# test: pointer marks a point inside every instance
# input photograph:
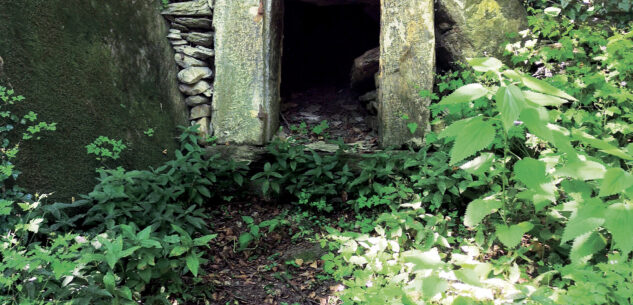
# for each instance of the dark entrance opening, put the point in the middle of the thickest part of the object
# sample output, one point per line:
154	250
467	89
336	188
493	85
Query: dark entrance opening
321	40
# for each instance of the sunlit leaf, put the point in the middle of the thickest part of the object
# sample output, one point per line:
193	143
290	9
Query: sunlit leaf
478	209
485	64
543	87
615	181
588	216
511	236
465	94
540	99
509	101
619	222
585	246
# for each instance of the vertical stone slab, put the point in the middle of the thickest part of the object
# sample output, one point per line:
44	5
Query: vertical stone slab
245	103
407	65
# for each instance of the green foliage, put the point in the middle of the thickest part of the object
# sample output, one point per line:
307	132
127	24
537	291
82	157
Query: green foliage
105	148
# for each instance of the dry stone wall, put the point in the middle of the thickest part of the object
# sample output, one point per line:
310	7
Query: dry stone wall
192	36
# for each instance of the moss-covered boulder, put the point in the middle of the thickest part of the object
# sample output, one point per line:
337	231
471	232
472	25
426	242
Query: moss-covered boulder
96	68
474	28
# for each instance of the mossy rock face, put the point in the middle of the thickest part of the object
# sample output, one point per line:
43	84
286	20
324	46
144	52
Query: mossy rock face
475	28
96	68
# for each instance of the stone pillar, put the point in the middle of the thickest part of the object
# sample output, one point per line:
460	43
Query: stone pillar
246	97
407	65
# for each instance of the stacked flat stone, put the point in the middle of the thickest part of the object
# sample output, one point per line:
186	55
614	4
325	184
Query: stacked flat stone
191	35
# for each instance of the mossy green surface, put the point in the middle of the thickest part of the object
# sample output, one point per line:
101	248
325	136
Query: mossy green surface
96	68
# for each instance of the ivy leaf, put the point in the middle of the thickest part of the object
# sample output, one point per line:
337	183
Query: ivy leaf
615	181
485	64
478	209
543	87
510	101
511	236
585	246
619	222
588	216
473	137
465	94
193	263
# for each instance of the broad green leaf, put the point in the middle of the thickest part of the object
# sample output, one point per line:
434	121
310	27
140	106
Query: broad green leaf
531	172
585	246
536	120
193	263
204	191
433	285
511	236
150	243
475	136
588	216
615	181
455	129
423	260
129	251
465	94
479	164
543	87
583	169
539	99
485	64
604	146
478	209
509	101
619	222
127	293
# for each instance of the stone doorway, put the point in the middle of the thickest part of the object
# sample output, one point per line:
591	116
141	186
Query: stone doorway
321	40
249	77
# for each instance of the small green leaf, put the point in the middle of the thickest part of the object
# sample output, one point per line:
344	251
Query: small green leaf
511	236
432	286
204	240
619	222
412	127
552	11
178	251
531	172
193	263
108	281
485	64
478	209
465	94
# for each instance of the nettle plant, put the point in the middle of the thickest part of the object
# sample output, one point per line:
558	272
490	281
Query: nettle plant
571	187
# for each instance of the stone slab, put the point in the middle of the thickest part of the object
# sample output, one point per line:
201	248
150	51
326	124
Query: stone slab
247	60
407	65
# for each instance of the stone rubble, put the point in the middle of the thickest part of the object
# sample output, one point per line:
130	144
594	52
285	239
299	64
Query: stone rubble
192	36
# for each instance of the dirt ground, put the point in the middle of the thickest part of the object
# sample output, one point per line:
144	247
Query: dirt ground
268	272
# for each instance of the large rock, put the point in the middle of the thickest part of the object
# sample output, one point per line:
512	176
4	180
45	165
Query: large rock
189	8
364	69
197	23
185	61
192	75
201	87
248	46
475	28
407	62
201	39
96	68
